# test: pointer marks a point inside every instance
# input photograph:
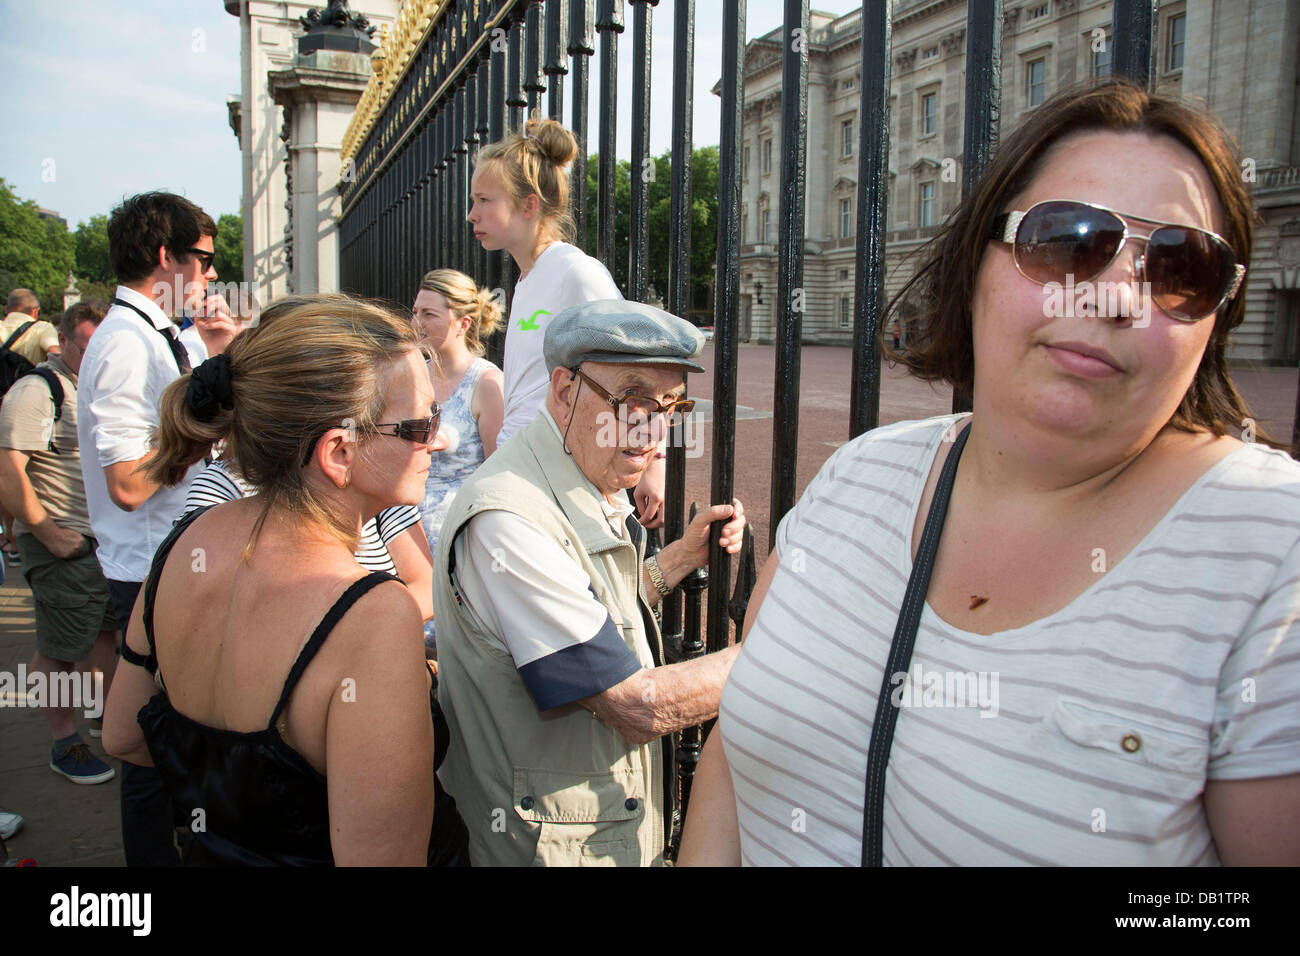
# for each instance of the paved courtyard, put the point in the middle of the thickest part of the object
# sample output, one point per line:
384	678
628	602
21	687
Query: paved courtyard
69	824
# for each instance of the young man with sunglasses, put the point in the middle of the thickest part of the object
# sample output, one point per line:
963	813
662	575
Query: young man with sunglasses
161	248
553	678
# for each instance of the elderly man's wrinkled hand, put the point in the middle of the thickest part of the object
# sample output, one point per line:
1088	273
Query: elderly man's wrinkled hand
696	538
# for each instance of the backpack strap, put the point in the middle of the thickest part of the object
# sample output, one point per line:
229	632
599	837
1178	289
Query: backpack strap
56	393
17	335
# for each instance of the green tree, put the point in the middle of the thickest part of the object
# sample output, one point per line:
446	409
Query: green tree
91	240
90	289
35	253
704	221
229	246
622	208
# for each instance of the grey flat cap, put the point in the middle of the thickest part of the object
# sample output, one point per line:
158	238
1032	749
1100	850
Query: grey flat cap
619	332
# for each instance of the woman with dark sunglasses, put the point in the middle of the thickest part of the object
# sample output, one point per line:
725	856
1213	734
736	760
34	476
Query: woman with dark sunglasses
296	723
391	541
1105	657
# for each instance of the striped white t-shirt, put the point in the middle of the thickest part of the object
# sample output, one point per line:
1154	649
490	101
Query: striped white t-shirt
1085	737
216	484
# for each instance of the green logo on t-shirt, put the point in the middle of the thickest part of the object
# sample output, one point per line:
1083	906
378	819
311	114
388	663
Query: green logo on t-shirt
530	324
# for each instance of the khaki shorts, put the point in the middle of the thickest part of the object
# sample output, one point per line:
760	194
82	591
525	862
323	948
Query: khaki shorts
71	600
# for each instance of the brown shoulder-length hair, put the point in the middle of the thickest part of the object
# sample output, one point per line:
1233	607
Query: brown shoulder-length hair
935	305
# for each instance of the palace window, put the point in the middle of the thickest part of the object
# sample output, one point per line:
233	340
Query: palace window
1035	81
926	210
1177	42
1101	60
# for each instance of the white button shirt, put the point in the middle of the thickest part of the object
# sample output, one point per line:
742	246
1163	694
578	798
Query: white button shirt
126	367
194	346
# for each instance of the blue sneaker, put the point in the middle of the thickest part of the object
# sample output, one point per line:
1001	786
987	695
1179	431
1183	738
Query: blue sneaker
79	765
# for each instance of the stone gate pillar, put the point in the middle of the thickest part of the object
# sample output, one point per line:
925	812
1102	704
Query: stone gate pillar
318	94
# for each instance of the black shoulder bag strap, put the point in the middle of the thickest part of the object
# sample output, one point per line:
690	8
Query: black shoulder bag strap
8	344
177	349
900	657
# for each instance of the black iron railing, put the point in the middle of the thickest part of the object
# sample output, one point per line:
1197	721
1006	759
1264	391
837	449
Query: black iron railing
480	64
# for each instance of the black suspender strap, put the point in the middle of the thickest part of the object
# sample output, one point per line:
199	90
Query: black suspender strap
355	591
900	657
150	662
173	342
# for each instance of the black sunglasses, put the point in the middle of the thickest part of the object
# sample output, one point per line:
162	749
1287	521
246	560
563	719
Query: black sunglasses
418	430
205	258
1192	272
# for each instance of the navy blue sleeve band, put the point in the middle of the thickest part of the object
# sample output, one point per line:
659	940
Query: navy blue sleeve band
580	670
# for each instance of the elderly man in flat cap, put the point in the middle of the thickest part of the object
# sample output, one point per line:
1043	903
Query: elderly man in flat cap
551	664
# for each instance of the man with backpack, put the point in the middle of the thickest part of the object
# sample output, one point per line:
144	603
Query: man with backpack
39	339
25	342
41	485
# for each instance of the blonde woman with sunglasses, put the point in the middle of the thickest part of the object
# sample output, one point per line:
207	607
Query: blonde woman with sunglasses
277	686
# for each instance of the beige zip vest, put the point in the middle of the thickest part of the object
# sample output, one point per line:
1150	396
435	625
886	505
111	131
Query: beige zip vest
560	787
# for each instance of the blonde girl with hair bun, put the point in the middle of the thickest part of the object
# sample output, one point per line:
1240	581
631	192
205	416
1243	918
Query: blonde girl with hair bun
519	202
453	318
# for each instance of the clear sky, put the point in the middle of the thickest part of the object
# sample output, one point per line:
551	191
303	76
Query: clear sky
107	99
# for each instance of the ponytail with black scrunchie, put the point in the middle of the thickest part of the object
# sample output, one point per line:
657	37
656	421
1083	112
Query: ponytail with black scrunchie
210	389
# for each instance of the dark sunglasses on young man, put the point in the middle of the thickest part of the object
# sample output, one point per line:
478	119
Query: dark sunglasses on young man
206	258
1192	272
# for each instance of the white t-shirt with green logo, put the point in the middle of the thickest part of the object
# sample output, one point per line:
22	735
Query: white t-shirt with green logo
562	276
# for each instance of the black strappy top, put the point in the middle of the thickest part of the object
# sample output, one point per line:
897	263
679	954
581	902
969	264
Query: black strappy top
250	798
